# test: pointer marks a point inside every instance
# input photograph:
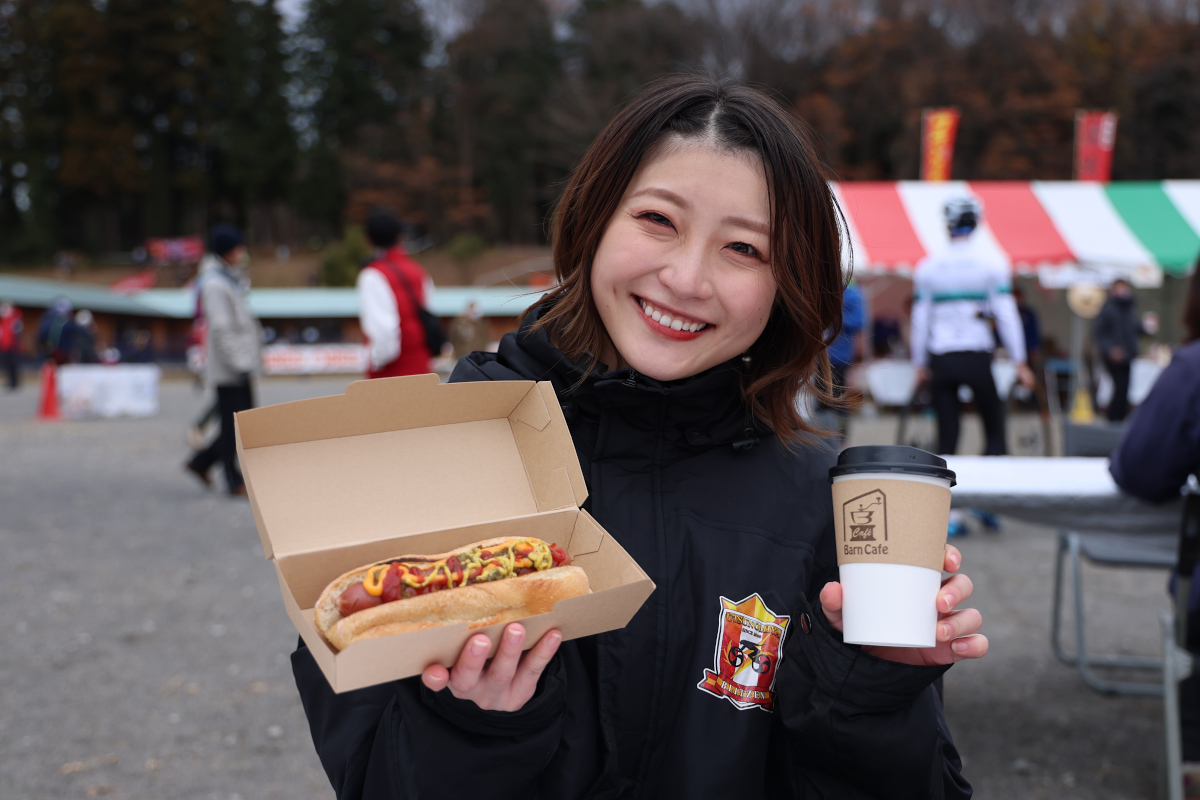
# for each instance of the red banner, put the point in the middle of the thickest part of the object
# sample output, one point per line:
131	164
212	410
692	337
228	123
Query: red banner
1095	134
938	128
183	250
137	282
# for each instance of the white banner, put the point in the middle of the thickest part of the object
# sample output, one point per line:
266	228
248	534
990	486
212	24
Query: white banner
108	390
314	359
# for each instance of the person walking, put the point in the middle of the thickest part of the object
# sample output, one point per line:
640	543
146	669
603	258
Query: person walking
958	293
234	349
392	289
11	326
1115	332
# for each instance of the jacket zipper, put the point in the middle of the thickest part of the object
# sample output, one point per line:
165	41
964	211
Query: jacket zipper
631	381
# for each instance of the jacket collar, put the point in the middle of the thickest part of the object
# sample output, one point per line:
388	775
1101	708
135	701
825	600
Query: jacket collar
685	416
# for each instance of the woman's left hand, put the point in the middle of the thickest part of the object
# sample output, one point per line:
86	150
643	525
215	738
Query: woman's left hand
957	636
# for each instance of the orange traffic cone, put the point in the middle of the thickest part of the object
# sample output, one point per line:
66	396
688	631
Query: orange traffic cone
48	406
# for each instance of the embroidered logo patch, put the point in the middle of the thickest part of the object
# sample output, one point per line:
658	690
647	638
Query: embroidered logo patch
749	647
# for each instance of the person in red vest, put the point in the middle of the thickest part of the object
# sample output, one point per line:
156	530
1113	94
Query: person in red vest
10	342
391	289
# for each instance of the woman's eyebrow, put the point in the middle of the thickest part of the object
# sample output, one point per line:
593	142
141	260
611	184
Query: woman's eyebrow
665	194
684	203
749	224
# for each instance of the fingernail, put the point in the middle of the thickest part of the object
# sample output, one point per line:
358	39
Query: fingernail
943	631
513	634
479	646
959	646
949	602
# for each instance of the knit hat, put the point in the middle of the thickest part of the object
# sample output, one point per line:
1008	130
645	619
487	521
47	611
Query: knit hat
223	238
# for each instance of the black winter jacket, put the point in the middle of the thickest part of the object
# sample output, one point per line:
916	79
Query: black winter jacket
1117	325
1161	446
719	514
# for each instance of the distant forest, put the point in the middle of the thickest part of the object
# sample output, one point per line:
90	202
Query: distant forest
127	119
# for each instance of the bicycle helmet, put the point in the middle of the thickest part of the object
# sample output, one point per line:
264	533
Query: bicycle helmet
962	214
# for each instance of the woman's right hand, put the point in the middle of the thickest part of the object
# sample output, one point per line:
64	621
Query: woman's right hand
504	685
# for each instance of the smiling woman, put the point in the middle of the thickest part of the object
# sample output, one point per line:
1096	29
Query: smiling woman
708	208
680	263
698	250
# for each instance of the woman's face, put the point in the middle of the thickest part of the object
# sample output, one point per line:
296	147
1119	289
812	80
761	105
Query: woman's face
682	277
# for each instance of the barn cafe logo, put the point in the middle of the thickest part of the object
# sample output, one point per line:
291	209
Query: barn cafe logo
749	648
864	524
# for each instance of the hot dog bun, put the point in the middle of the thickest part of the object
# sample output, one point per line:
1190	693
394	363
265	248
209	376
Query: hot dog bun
478	604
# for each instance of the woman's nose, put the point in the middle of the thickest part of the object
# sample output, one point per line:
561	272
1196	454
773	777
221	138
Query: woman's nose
687	274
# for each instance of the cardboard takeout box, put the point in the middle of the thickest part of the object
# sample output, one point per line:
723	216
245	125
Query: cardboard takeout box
402	466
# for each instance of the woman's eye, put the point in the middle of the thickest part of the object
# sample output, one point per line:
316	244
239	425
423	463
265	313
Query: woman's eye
744	249
656	218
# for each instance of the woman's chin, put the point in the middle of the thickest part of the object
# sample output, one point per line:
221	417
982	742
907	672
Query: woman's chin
667	369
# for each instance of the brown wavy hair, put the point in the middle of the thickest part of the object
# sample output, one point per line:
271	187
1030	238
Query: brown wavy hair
806	225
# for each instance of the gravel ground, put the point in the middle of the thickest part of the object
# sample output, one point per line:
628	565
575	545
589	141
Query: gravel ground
146	650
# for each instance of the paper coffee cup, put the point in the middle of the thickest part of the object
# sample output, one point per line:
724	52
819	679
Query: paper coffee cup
891	507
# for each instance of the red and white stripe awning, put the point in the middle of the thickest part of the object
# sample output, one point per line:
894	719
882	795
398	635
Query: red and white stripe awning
1134	229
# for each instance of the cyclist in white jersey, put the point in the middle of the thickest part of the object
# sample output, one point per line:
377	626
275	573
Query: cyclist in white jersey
957	294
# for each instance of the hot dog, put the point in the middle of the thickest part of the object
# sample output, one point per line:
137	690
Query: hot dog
492	581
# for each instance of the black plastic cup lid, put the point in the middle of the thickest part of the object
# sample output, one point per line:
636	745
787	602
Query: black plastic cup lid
891	458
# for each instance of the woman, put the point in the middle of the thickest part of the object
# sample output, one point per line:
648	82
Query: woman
698	250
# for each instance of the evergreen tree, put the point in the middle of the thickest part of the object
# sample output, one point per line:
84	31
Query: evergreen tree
30	124
255	143
358	63
503	76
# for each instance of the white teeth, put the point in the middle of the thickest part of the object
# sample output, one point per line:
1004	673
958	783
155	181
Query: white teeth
667	322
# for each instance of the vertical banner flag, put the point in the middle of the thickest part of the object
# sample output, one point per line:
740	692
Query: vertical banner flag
1095	134
938	127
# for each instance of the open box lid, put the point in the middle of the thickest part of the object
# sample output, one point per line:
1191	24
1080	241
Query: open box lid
393	457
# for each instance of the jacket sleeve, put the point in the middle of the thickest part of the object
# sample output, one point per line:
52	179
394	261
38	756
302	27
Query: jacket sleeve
1008	319
1161	446
853	720
379	316
400	740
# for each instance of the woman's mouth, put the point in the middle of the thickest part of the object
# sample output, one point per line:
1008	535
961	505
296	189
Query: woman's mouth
671	325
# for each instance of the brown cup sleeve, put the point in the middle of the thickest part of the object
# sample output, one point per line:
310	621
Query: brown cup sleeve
880	521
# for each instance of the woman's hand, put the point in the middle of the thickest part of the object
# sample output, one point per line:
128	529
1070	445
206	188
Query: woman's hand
504	685
956	637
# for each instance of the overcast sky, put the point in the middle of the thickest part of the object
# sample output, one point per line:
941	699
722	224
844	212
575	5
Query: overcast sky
292	10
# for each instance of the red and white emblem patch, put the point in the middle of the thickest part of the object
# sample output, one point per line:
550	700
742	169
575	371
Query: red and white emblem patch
749	648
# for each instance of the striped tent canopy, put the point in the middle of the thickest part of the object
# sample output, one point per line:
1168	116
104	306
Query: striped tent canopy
1058	230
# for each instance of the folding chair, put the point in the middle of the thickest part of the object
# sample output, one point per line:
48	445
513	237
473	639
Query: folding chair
1146	551
1177	661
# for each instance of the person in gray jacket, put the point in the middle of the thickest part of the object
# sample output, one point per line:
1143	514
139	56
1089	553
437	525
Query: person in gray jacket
1116	333
234	348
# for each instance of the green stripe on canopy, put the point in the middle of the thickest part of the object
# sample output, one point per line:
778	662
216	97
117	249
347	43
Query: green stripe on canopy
1153	218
